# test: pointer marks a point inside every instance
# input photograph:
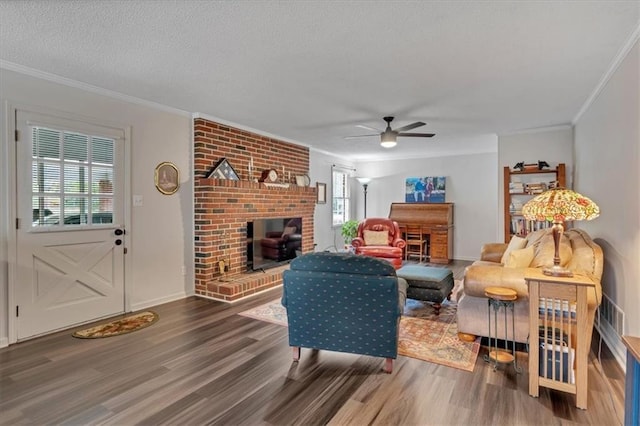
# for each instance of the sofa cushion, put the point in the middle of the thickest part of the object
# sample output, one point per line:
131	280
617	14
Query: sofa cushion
376	238
520	258
516	243
545	251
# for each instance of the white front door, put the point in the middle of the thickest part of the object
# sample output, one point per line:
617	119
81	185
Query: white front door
70	238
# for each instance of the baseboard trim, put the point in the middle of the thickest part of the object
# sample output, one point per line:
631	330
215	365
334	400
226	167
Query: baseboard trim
159	301
4	342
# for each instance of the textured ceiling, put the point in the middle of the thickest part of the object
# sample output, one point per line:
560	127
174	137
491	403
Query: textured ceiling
310	71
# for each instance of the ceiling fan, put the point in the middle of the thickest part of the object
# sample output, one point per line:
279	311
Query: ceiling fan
389	136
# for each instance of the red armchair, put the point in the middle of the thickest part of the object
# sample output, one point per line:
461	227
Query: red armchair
380	237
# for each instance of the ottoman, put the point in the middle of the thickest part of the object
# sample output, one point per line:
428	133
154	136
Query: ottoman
427	283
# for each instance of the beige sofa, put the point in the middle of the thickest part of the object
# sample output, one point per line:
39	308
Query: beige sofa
578	253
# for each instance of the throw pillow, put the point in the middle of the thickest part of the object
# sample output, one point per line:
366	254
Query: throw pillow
520	258
376	238
516	243
288	230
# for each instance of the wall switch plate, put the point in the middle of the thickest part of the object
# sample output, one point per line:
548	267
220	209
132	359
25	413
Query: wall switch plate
137	201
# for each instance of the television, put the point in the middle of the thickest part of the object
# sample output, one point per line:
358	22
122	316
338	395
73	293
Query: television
272	242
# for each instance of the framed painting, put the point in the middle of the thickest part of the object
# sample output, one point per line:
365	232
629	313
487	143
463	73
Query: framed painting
167	178
222	170
430	189
321	191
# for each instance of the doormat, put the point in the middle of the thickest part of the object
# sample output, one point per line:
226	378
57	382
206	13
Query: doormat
124	325
423	334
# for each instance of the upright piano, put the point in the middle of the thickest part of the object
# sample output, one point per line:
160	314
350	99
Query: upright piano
436	222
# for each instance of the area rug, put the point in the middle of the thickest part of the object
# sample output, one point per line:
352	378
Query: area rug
423	334
124	325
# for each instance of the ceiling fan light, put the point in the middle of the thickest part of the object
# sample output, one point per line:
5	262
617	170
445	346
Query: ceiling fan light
388	139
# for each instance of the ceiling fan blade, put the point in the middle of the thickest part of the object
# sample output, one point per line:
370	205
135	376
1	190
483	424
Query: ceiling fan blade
417	135
362	136
410	126
373	129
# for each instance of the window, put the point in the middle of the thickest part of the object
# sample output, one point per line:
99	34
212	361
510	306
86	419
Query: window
71	178
340	198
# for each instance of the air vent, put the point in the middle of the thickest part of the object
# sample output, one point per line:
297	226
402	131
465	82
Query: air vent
611	316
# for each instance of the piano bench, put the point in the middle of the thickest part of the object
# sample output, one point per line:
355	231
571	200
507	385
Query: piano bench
427	283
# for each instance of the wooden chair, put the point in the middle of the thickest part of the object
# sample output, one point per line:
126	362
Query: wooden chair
416	242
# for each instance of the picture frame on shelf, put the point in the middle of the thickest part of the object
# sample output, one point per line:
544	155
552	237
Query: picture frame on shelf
321	193
167	178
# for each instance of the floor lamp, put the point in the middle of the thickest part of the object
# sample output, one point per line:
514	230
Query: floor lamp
365	184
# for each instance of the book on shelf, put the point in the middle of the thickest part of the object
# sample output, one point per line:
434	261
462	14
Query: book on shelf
535	188
516	188
521	226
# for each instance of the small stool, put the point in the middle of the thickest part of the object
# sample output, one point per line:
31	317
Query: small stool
500	297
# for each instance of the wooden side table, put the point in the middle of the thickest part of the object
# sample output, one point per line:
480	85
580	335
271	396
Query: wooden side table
501	297
564	312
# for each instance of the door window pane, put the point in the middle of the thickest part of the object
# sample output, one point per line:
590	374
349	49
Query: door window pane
78	169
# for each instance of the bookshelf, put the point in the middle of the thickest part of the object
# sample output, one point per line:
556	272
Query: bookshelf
519	187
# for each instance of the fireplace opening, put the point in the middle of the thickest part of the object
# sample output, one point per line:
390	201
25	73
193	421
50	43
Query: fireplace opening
272	242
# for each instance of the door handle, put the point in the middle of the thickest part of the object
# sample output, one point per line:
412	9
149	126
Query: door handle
118	241
119	232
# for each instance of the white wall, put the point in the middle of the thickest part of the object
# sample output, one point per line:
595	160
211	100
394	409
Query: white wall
160	235
326	237
553	145
471	184
607	163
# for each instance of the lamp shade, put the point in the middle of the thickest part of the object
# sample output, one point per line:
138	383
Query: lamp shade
560	205
388	139
364	180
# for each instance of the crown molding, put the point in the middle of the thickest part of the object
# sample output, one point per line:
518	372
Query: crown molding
553	128
622	54
54	78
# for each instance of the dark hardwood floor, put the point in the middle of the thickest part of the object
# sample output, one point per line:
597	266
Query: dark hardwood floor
201	363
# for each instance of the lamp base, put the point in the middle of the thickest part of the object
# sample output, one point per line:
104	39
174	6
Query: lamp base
557	271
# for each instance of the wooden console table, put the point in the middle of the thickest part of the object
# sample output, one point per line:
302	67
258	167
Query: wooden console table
564	312
632	381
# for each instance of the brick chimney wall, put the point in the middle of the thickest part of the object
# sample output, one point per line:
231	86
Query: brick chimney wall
223	207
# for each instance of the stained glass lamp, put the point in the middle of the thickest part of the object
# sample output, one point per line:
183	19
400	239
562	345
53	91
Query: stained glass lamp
559	205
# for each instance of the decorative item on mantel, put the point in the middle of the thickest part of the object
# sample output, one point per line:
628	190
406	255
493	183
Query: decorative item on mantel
250	169
303	180
222	170
559	205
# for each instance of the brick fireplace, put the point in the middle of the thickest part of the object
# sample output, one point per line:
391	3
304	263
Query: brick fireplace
223	207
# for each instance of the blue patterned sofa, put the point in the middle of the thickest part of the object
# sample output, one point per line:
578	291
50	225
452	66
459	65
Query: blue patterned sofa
345	303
